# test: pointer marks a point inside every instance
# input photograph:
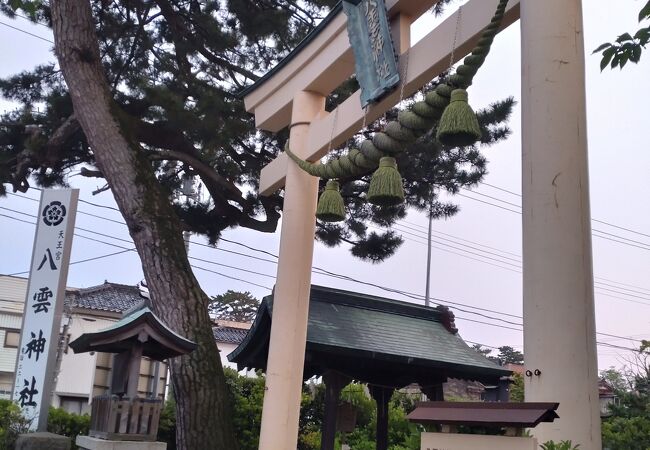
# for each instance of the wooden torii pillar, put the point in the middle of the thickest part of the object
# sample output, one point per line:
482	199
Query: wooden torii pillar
558	280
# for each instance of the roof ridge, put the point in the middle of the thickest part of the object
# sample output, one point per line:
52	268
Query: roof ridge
371	302
106	285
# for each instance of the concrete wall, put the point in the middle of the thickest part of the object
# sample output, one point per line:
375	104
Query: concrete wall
224	350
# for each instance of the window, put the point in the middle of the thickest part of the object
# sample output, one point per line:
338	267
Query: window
12	338
75	405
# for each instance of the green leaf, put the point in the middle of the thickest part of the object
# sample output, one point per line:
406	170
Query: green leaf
602	47
624	37
615	61
607	57
28	6
642	35
636	54
624	58
645	12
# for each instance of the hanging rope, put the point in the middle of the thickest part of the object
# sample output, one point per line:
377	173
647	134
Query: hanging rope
410	124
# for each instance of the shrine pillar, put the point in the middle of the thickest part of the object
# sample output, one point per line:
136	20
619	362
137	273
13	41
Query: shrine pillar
281	409
558	296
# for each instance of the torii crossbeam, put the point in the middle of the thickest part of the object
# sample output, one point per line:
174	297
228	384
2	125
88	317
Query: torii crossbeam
559	329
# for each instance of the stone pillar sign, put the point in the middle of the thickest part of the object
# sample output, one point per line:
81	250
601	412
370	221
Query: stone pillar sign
44	304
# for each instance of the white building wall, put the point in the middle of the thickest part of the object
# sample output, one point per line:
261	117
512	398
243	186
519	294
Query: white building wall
10	321
12	294
12	301
77	372
7	355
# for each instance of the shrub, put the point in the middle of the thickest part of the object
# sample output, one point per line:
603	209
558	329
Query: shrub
167	424
563	445
68	424
626	433
12	423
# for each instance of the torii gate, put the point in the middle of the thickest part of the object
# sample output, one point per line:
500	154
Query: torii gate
558	299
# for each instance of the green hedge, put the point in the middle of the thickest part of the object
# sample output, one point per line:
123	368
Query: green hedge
68	424
12	424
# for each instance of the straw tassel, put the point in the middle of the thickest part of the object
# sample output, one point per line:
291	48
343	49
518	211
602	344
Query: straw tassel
331	207
386	187
458	125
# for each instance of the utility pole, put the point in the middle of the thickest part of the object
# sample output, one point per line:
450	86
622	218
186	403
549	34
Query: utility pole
428	288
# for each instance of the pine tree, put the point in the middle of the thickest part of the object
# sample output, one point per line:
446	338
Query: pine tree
235	306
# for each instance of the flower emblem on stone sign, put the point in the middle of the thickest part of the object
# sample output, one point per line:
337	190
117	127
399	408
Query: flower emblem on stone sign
54	213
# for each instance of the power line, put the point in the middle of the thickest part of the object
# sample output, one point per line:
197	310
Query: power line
500	189
34	21
423	243
422	227
465	256
439	248
317	269
645	246
417	241
623	284
594	220
636	288
621	228
493	198
411	295
27	32
597	283
630	243
519	271
465	245
80	212
488	203
124	250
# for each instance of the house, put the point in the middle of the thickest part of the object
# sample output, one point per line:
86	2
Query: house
229	335
607	398
12	300
79	377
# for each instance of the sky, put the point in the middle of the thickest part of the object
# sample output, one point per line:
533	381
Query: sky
476	256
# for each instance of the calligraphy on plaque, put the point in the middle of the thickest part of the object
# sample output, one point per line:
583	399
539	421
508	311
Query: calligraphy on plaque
372	44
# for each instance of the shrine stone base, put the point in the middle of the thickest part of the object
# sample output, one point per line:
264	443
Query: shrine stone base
91	443
38	441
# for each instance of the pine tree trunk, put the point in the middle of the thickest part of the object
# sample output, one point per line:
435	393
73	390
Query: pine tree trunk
203	416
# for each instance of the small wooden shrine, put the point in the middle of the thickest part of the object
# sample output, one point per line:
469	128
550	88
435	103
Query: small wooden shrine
463	423
121	414
385	343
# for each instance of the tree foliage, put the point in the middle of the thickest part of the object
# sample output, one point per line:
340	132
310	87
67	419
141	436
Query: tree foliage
175	68
628	426
517	388
12	424
484	351
508	355
247	394
562	445
235	306
615	379
626	47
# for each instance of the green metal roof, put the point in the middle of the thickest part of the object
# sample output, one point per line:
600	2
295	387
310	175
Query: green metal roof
370	330
161	342
361	334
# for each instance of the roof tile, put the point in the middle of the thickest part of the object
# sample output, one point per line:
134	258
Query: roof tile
111	297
